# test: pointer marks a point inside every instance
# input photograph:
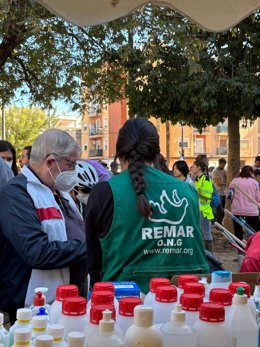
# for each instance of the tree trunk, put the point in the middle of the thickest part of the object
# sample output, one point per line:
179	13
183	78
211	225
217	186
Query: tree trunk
233	147
168	142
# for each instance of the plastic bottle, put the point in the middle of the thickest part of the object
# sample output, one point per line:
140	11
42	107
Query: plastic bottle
24	318
38	302
242	324
101	286
191	305
44	291
143	332
211	328
233	288
182	279
220	279
106	335
165	301
74	316
204	281
125	316
76	339
39	326
57	332
194	288
222	297
256	297
62	292
101	297
154	282
22	337
176	333
4	334
44	341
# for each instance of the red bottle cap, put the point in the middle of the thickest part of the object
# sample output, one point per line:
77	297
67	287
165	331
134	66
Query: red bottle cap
166	294
234	285
127	305
211	312
158	281
38	299
194	288
104	286
96	313
191	302
182	279
74	306
66	291
102	297
221	296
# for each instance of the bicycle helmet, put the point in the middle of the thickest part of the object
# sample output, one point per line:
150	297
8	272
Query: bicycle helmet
87	175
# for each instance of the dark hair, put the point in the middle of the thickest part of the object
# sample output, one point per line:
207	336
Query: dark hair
161	164
257	158
137	143
257	172
202	165
222	160
28	149
246	171
182	166
7	146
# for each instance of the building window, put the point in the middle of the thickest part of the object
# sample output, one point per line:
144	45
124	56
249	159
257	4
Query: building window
85	147
223	143
97	144
244	144
98	124
105	145
199	145
105	123
185	143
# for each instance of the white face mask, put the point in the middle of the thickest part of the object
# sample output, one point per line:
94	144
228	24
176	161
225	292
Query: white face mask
83	197
9	163
66	180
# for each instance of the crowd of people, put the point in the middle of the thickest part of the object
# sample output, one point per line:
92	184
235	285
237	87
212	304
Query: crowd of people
63	218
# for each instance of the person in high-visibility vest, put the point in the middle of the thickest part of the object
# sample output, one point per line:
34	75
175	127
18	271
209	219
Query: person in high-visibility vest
204	186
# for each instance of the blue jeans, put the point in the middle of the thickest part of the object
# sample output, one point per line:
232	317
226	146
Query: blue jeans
205	225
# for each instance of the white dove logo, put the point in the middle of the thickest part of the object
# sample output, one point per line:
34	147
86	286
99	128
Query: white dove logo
176	202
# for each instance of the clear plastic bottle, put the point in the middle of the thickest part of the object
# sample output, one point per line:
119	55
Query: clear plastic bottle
22	337
76	339
62	292
74	316
125	316
4	334
143	332
242	324
182	279
165	301
57	332
24	320
39	326
101	297
233	288
176	333
100	286
44	291
223	297
194	288
154	282
220	279
38	302
191	305
106	335
44	341
211	328
204	281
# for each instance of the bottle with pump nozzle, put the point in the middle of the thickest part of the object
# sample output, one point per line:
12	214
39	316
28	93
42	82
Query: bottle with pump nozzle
125	316
38	302
39	326
143	332
44	341
57	332
22	337
4	334
165	301
44	291
106	334
149	299
176	333
76	339
242	324
23	320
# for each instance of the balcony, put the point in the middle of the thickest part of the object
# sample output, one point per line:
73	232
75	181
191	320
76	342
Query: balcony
222	151
203	130
95	153
222	129
95	131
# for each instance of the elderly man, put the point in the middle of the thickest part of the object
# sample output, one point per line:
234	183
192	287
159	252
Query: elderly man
41	230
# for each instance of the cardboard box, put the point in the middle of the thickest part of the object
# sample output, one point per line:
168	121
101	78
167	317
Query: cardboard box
252	278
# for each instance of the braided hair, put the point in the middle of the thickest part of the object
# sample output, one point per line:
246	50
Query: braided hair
138	143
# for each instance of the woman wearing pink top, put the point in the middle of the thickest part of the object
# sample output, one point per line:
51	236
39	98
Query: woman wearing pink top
241	206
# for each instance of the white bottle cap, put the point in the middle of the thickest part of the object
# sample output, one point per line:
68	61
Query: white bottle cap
39	322
24	314
56	330
1	318
143	316
44	341
178	315
240	298
106	325
76	339
22	335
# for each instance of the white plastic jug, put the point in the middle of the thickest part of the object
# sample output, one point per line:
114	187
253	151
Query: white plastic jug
154	282
24	319
191	305
57	332
125	316
4	334
165	301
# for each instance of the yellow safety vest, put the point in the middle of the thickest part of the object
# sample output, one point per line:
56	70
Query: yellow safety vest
205	190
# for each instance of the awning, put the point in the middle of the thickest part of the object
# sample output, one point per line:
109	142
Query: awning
212	15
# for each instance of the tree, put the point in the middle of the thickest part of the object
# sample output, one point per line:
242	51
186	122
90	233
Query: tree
25	124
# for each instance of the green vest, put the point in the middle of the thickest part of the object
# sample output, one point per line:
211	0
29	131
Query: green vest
169	243
205	189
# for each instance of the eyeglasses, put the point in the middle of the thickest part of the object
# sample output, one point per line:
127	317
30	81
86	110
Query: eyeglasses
70	164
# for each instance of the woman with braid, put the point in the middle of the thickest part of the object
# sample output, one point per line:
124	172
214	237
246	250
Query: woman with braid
142	223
